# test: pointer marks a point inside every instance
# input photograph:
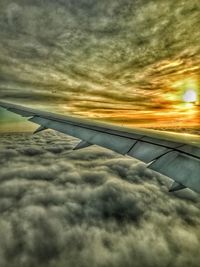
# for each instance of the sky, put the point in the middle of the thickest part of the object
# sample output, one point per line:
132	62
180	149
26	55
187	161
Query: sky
130	62
92	207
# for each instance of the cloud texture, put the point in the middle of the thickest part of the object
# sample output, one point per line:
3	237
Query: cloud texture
125	61
89	208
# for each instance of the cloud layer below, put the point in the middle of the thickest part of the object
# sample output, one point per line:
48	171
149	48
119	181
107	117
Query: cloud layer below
89	208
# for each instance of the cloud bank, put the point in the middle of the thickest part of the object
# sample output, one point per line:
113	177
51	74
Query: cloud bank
89	208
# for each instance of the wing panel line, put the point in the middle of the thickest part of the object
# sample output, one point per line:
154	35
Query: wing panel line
117	134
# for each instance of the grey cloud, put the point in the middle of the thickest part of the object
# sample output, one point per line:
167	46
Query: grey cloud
89	208
63	45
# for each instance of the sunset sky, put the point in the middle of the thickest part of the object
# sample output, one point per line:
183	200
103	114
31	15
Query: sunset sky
130	62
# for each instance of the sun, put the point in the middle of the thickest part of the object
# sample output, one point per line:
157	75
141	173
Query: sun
190	96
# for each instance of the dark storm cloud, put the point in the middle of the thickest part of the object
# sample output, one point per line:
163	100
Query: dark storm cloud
64	52
89	208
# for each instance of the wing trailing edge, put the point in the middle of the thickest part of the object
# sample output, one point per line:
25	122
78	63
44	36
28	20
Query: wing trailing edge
176	187
40	129
82	144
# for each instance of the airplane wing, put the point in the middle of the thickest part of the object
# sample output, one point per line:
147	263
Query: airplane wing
174	155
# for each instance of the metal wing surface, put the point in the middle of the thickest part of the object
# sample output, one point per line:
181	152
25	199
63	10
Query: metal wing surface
174	155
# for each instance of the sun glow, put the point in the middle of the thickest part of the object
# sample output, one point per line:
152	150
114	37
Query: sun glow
190	96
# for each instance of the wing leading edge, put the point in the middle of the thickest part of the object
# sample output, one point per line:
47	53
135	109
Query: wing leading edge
174	155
